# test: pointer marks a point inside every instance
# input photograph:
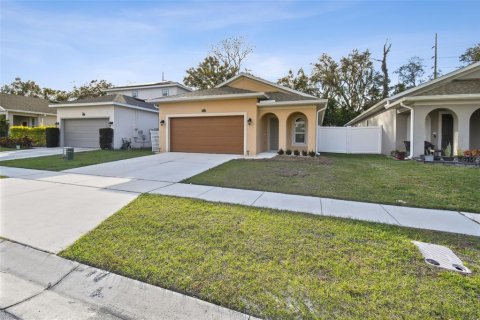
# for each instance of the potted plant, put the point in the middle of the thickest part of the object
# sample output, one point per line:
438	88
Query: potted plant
296	152
304	153
400	154
280	152
459	155
448	153
311	153
288	152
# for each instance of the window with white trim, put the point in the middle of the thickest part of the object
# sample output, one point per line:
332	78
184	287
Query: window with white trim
165	92
299	131
135	94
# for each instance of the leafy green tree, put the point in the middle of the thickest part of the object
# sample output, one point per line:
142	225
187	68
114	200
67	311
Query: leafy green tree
208	74
352	82
337	116
94	88
410	74
23	88
301	82
471	55
55	95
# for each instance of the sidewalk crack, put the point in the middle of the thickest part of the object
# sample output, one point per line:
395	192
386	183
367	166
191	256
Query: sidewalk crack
381	206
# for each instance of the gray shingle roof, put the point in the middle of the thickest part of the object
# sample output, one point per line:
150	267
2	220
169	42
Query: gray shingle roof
468	86
210	92
120	98
28	104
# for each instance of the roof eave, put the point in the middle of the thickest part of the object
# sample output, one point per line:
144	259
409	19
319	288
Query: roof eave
92	104
212	97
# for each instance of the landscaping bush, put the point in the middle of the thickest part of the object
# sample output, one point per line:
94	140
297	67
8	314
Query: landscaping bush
52	137
280	152
311	153
296	152
288	152
3	126
106	138
9	142
36	134
304	153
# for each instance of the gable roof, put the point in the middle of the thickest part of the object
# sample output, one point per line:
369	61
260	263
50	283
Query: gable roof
252	77
26	104
447	84
115	99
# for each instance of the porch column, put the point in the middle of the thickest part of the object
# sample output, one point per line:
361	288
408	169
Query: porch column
417	131
461	133
282	131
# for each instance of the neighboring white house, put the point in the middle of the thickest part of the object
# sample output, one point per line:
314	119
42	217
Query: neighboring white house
148	91
131	119
26	111
444	111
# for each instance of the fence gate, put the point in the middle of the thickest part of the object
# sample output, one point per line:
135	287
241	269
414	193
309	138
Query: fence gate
350	139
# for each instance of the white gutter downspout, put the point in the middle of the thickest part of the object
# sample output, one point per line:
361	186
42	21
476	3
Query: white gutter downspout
412	114
316	128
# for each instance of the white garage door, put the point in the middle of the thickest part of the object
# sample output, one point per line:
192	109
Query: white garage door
83	132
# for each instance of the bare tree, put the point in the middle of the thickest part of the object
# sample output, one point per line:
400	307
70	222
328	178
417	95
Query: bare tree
385	78
232	52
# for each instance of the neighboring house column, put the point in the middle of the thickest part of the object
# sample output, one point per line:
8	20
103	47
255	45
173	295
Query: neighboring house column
417	130
463	139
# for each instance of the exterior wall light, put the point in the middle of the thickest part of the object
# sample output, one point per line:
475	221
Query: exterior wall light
162	122
249	121
111	123
83	114
57	124
204	110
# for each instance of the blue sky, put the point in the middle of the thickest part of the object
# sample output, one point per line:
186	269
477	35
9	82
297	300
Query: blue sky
61	43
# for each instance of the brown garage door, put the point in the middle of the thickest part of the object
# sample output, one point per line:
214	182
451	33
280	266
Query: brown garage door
207	134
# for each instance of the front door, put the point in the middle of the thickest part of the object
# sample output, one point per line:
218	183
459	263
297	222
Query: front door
447	131
273	133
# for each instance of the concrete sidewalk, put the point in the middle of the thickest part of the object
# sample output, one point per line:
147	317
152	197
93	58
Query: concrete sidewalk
39	285
36	152
430	219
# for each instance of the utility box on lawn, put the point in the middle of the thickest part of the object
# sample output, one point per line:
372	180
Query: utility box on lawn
68	153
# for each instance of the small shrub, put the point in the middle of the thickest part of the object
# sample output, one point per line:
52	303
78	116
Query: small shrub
296	152
3	126
8	142
106	138
280	152
304	153
311	153
288	152
52	137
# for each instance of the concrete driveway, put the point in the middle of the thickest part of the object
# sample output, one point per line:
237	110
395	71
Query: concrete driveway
36	152
51	210
167	167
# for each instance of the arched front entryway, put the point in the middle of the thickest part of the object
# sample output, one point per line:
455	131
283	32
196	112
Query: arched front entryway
441	130
297	131
475	130
270	132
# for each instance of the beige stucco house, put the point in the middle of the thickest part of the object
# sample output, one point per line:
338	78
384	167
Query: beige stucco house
442	111
26	111
245	115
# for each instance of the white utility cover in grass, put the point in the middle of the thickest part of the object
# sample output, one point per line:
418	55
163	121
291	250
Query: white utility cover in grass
441	257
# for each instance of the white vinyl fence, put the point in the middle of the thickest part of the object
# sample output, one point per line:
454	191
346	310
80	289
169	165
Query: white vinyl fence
349	139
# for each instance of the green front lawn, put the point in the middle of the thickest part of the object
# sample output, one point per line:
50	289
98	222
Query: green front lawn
81	159
368	178
283	265
2	149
